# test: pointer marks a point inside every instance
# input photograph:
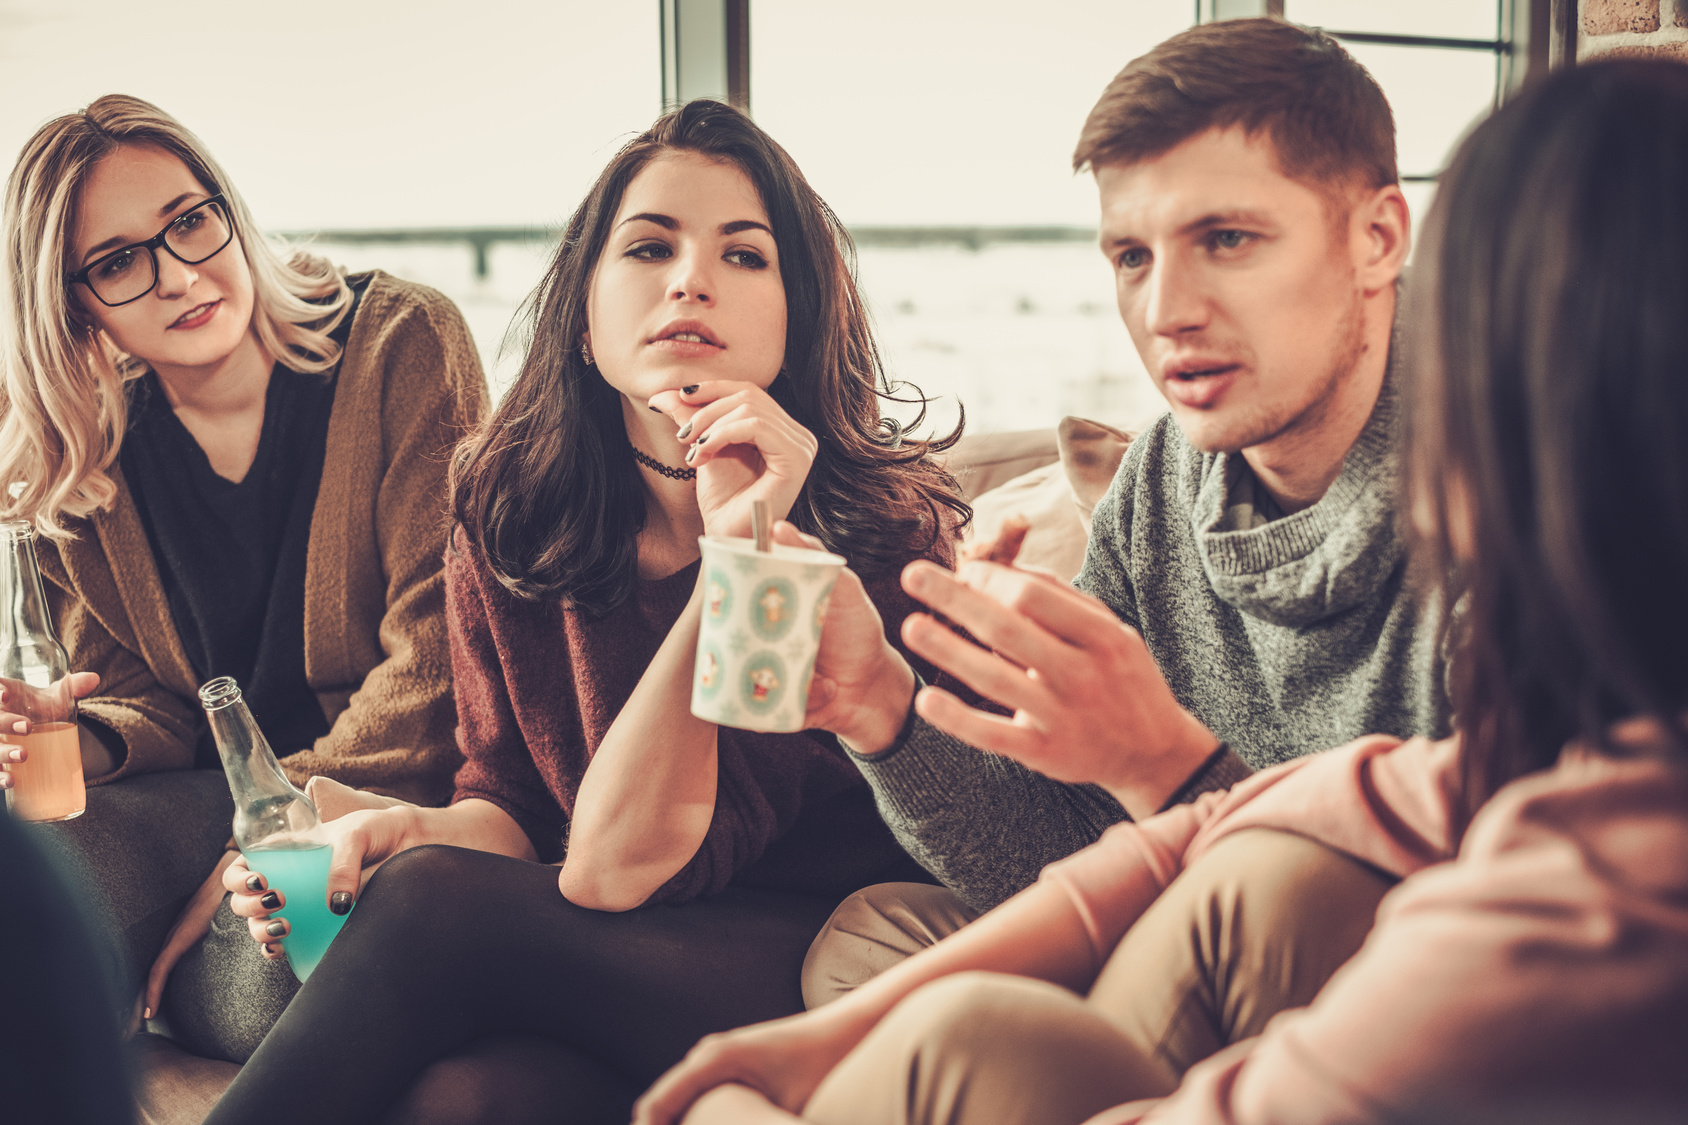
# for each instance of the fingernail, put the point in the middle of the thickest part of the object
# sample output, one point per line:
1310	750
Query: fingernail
340	902
270	901
654	410
266	948
277	928
703	439
21	726
254	883
691	390
146	1013
685	432
690	453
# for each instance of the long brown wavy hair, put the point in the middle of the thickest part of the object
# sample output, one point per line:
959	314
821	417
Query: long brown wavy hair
1549	425
547	490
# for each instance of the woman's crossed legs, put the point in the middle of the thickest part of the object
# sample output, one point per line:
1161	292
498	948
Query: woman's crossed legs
1253	928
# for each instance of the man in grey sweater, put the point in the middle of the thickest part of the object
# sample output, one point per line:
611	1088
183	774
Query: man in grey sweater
1243	600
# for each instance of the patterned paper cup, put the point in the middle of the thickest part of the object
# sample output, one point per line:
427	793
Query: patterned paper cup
762	613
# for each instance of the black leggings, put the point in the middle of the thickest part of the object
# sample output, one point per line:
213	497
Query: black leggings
448	947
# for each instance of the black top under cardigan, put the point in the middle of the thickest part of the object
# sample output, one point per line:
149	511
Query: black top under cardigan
231	554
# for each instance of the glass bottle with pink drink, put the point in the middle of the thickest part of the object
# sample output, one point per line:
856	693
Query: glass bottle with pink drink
35	684
275	825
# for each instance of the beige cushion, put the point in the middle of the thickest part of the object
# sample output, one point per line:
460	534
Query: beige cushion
1056	536
1090	455
981	462
1054	500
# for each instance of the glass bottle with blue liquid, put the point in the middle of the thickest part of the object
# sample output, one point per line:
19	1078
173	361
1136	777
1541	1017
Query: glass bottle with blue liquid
275	825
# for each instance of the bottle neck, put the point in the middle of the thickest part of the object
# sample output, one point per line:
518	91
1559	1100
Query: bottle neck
268	812
24	619
247	758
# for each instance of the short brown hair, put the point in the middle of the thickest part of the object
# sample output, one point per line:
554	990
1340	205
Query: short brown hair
1328	120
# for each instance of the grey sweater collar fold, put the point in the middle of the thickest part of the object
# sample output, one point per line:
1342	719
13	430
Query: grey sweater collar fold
1322	560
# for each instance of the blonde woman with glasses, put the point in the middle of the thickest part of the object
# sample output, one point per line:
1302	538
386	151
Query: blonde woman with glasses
234	458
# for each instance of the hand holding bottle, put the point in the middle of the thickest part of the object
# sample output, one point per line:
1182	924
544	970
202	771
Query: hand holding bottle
276	827
15	724
360	841
43	759
45	755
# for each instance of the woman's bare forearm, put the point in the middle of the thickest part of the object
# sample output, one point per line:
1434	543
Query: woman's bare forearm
648	797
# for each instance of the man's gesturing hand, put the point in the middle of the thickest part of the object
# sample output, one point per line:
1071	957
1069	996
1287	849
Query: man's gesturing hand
1089	702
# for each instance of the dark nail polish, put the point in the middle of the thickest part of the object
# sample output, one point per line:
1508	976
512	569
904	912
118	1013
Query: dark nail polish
691	390
266	948
270	901
654	410
703	439
254	883
340	902
277	928
690	453
685	432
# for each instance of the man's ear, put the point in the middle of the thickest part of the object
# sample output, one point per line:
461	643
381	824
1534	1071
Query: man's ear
1380	236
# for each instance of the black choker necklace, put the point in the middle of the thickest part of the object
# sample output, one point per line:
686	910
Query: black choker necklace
657	466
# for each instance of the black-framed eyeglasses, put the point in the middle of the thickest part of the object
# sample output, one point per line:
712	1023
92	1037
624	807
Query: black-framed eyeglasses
128	274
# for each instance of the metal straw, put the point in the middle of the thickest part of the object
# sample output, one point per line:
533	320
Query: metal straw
760	525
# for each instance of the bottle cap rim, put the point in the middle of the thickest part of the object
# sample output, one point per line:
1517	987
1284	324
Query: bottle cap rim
219	693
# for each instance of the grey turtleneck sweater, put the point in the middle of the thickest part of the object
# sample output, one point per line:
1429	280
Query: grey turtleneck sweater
1285	636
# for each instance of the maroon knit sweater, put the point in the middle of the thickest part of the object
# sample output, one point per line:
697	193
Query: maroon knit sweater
538	686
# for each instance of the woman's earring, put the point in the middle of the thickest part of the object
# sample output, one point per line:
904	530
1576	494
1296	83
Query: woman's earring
586	352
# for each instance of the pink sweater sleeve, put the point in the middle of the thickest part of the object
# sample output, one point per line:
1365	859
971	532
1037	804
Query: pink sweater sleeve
1547	967
1379	799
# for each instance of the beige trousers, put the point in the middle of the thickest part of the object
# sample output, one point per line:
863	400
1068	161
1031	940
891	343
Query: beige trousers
1254	927
874	929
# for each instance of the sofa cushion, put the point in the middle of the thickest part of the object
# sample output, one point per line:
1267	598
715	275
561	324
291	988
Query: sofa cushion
1090	455
1043	500
1053	500
981	462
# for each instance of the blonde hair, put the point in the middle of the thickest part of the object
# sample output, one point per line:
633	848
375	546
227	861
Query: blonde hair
63	407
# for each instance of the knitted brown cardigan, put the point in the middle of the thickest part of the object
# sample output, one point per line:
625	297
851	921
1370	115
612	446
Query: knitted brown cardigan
410	386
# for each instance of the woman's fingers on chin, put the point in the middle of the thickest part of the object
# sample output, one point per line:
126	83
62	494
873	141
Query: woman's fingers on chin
667	402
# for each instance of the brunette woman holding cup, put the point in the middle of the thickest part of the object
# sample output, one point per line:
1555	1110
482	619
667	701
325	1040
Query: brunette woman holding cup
698	346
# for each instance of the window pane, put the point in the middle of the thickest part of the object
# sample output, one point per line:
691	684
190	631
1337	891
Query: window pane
906	113
1454	19
1436	96
1023	334
392	113
925	114
375	114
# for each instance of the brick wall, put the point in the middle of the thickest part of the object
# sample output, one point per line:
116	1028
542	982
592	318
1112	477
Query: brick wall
1632	27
